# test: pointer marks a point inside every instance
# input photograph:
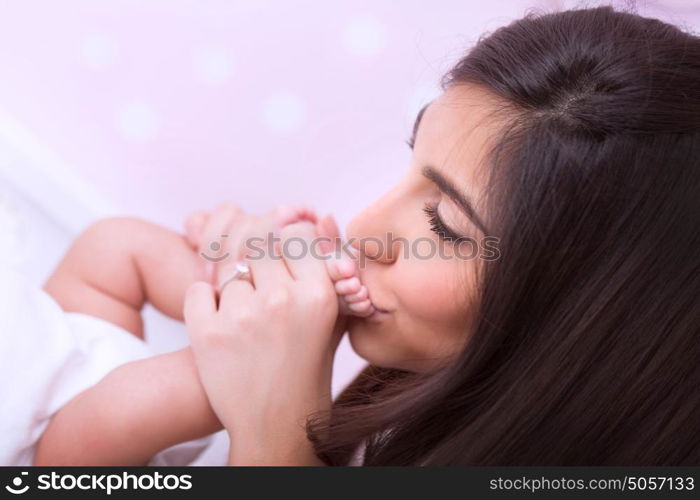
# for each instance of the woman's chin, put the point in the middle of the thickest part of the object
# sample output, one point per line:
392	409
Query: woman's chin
369	342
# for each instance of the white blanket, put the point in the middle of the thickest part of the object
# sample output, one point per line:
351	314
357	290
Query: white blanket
48	356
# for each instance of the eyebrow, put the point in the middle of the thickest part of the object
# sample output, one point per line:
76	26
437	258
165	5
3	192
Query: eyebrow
416	124
445	185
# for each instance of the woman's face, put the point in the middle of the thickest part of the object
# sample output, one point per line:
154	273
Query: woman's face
424	282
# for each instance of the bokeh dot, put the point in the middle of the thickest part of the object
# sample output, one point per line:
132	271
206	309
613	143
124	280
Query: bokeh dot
364	36
283	111
138	121
98	51
213	66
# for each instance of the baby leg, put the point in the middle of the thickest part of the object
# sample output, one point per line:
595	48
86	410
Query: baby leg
117	265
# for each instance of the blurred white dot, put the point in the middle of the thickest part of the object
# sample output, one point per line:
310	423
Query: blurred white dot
98	51
213	66
364	36
138	121
283	111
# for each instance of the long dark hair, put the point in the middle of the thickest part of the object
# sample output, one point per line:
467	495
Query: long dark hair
586	350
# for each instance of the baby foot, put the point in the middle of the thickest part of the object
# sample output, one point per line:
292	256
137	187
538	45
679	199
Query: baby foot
352	294
289	214
353	297
194	227
196	223
205	229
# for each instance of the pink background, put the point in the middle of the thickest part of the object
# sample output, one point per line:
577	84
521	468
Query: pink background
158	108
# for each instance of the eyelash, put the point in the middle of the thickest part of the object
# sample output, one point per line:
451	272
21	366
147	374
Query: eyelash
436	224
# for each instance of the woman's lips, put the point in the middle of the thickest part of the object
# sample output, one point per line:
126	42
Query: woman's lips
378	314
379	309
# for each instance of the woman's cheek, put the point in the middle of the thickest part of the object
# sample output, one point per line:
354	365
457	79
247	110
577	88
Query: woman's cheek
429	292
430	323
428	317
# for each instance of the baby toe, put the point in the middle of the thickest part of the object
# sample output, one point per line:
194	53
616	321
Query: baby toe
357	296
348	286
362	308
340	268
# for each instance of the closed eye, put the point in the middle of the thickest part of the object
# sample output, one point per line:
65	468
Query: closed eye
438	226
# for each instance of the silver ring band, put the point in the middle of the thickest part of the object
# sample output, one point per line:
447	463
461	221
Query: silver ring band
242	272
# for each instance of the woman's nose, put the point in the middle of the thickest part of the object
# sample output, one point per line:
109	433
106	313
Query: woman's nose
373	236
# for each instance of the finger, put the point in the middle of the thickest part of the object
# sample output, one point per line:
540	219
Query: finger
240	234
234	293
231	270
297	242
213	243
269	271
216	226
200	305
248	234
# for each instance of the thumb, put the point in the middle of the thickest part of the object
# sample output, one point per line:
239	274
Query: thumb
199	307
339	330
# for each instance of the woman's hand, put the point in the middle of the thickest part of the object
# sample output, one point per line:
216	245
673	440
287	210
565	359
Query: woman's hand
219	236
265	351
209	234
